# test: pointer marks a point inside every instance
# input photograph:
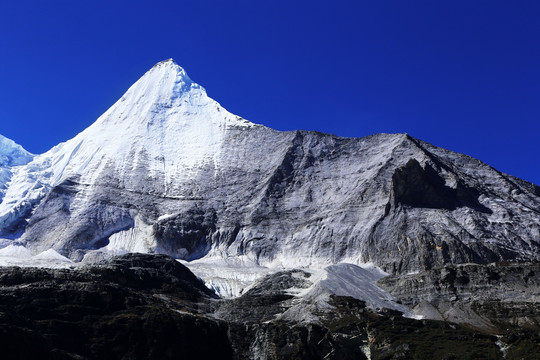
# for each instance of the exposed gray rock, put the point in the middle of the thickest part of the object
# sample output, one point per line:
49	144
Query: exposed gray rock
486	296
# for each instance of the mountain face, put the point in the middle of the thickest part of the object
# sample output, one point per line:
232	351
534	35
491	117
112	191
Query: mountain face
168	170
290	229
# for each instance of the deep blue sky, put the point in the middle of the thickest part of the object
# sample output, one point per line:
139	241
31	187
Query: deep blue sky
464	75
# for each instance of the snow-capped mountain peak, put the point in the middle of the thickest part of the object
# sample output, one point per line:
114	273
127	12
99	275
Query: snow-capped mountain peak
164	86
167	169
164	123
164	115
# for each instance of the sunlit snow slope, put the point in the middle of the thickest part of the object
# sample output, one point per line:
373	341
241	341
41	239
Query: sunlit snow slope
11	155
166	169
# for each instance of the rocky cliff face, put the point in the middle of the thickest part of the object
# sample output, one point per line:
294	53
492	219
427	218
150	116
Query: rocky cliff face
116	310
485	296
167	170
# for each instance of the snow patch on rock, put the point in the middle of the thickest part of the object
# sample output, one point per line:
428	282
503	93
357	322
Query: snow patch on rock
228	277
18	255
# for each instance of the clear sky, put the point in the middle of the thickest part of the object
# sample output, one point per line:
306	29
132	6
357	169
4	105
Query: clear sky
463	75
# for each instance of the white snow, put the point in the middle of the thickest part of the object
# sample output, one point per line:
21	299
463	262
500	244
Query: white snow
18	255
233	276
138	239
51	255
165	217
11	155
352	280
230	276
503	347
15	251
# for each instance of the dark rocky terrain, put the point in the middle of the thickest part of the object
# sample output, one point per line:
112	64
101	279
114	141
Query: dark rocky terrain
488	297
151	307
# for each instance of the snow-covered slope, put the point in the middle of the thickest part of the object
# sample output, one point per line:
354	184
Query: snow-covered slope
144	140
11	154
18	255
167	169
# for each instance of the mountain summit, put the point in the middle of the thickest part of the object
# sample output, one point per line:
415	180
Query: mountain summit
168	170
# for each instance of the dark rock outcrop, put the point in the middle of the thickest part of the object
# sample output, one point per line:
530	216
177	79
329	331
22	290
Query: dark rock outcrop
151	307
132	307
423	187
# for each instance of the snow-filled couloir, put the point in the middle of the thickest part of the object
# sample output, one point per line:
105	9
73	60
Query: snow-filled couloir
167	169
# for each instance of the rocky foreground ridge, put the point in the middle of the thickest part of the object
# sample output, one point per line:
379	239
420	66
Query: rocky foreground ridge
151	307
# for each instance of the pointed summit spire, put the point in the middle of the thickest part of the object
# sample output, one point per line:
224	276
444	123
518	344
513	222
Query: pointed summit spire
170	65
162	115
165	79
169	61
164	86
